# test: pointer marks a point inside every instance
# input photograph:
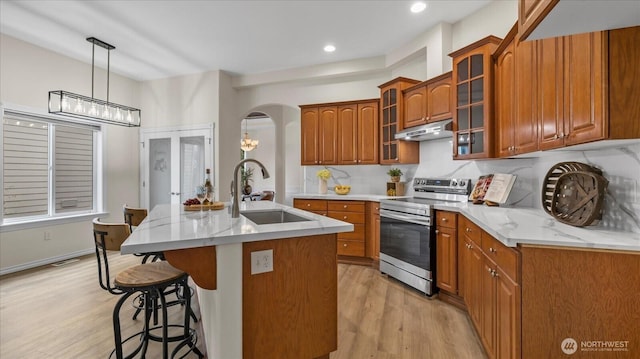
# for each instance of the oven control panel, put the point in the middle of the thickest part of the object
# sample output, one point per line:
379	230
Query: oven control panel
460	186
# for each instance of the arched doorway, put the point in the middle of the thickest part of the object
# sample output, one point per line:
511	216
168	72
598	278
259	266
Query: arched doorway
259	126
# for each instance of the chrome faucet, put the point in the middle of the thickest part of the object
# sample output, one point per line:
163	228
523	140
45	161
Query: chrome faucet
235	208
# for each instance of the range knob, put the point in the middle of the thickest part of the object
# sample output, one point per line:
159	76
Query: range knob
463	183
454	183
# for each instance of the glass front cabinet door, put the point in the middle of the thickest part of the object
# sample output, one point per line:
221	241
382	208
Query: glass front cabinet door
473	115
392	121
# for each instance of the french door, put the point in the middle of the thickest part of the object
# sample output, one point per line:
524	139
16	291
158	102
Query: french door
173	163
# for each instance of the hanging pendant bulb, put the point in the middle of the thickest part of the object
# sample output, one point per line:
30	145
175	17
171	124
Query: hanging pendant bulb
246	143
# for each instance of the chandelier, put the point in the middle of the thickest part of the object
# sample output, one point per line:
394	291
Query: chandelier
89	108
246	143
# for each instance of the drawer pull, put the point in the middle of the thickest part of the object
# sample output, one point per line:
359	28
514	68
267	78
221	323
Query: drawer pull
489	270
492	250
308	204
468	229
344	245
345	206
345	217
444	220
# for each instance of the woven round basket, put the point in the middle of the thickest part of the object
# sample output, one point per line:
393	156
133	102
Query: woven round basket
579	196
553	175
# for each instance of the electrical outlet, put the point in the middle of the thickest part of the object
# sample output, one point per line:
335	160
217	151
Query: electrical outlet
47	236
262	261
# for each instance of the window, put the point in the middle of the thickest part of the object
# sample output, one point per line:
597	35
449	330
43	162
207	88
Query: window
49	168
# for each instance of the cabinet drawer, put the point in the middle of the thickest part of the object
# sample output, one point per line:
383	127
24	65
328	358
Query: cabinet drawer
471	230
446	219
351	217
356	235
350	248
346	206
322	213
310	204
505	257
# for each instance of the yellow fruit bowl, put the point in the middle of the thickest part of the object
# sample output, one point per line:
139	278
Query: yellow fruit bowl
342	189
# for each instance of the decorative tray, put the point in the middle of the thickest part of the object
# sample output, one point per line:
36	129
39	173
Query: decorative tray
204	207
578	197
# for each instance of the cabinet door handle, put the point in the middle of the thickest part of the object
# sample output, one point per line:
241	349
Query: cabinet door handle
468	229
489	270
444	220
437	231
345	217
492	250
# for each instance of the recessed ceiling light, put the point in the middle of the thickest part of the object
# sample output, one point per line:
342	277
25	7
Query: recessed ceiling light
418	7
329	48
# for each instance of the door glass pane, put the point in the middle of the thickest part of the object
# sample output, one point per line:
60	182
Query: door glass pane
385	99
385	152
392	115
463	143
477	88
477	142
477	116
392	97
463	70
463	118
385	116
393	151
385	134
159	171
192	161
476	65
463	94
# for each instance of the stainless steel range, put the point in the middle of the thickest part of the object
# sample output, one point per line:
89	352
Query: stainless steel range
407	236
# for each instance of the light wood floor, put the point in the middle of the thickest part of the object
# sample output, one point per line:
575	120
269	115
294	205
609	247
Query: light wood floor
61	312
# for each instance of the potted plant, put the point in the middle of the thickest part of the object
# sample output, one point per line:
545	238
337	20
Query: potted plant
395	174
246	174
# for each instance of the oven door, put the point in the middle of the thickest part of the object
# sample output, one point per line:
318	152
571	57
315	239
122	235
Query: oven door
408	242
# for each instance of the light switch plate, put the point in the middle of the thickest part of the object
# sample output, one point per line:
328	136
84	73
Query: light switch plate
262	261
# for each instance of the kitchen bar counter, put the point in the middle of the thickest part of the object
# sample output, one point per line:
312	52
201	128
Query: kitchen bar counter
170	227
248	276
513	226
346	197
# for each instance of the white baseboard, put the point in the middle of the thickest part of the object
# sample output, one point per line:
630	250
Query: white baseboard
45	261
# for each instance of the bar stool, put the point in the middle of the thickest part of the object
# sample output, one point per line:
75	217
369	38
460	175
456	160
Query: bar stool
150	282
133	217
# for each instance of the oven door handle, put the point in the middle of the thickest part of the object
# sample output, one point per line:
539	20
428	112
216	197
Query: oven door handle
405	217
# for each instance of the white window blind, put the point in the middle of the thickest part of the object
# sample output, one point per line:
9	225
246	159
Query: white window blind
25	168
49	167
73	169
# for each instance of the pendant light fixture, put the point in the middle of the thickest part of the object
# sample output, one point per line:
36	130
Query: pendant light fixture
247	144
90	108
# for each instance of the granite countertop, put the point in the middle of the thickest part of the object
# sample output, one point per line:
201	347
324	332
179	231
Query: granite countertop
346	197
513	226
170	227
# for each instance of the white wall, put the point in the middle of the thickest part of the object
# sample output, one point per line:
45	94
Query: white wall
27	74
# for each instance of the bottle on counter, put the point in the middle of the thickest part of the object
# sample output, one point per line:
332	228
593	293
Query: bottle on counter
208	187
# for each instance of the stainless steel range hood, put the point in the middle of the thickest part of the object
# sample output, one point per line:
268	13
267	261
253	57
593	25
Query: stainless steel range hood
430	131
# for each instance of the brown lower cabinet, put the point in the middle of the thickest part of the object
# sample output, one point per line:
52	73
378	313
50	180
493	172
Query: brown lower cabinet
488	272
363	241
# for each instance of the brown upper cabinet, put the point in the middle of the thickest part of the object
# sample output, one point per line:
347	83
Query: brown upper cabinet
515	96
339	133
428	101
473	115
588	86
531	13
542	19
392	121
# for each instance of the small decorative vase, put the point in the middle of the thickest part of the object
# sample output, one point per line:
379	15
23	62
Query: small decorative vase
395	178
322	186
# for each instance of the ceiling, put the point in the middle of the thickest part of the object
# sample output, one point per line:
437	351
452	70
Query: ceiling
159	39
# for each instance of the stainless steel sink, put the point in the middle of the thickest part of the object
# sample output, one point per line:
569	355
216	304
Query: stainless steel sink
272	216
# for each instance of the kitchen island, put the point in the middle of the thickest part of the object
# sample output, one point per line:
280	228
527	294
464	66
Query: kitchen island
281	307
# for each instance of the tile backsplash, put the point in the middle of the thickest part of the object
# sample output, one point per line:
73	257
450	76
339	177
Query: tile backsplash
620	164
